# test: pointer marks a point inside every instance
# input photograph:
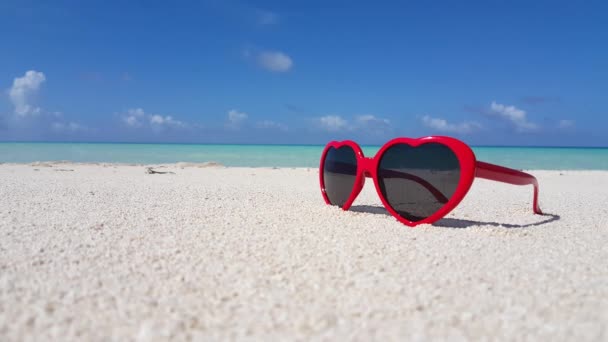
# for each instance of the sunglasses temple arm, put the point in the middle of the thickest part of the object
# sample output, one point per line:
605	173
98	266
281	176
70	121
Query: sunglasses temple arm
503	174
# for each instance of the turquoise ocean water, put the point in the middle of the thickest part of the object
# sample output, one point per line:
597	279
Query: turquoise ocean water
530	158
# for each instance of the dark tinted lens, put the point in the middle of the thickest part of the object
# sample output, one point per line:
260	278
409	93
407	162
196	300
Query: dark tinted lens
339	174
418	181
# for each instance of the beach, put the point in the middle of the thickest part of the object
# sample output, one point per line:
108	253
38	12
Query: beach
110	252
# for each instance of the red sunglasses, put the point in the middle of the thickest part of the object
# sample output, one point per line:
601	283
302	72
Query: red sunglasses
418	180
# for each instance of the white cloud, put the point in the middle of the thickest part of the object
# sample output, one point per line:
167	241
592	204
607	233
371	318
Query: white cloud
514	115
332	123
137	112
371	120
156	119
68	127
442	125
136	117
22	91
371	124
364	123
269	124
160	120
266	17
236	118
274	61
132	121
565	123
21	95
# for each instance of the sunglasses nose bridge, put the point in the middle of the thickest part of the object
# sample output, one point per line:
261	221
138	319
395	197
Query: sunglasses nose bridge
366	165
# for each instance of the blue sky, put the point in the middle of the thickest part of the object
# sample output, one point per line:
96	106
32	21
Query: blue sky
489	72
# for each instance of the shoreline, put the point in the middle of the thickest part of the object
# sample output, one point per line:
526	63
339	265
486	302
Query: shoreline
212	164
528	158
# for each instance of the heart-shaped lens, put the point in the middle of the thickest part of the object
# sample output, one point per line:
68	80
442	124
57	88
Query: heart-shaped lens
418	181
339	174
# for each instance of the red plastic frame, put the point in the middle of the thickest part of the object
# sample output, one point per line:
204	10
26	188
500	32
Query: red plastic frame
469	169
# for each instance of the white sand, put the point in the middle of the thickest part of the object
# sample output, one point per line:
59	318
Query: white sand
111	253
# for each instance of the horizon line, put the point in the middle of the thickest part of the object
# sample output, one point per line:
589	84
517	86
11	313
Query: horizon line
269	144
